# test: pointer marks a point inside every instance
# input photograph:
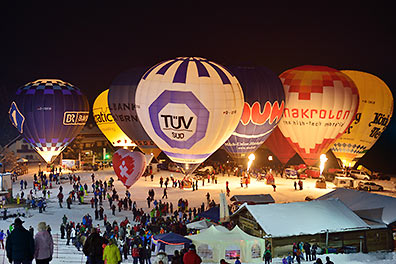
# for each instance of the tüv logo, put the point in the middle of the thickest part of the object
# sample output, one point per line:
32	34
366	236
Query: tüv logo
179	118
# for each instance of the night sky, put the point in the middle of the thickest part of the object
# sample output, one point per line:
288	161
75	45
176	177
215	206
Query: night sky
89	44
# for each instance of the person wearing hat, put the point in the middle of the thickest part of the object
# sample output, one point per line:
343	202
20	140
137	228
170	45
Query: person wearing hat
111	253
44	245
93	247
20	244
162	258
191	256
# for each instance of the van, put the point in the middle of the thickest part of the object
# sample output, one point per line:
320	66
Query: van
343	182
360	175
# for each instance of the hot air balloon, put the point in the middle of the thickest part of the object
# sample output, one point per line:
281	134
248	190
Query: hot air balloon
279	146
321	102
121	99
263	109
189	107
128	166
372	117
49	113
106	123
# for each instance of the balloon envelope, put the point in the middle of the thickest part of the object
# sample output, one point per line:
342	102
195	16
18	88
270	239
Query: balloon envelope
279	146
321	102
121	100
104	120
128	166
189	107
263	109
49	113
372	117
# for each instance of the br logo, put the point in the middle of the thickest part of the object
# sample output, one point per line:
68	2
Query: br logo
270	113
179	118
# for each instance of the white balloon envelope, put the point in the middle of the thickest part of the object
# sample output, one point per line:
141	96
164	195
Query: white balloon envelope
189	107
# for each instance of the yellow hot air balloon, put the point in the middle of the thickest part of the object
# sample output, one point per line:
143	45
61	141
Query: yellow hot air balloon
373	115
106	123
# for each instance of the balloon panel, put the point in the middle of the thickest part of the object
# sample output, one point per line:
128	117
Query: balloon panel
49	113
320	104
372	117
263	109
279	146
189	107
104	120
121	100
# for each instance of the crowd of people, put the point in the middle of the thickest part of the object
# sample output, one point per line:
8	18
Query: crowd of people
114	242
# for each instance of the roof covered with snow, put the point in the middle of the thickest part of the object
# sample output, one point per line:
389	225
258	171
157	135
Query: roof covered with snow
304	218
382	207
253	198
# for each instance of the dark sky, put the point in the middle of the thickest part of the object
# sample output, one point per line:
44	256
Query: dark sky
89	44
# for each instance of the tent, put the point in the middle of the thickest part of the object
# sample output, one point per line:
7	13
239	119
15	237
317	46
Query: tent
211	214
201	224
169	242
234	243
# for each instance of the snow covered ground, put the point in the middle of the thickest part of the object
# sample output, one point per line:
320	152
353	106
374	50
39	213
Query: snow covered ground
284	193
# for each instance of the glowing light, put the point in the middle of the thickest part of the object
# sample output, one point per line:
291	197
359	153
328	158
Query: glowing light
251	158
323	160
269	158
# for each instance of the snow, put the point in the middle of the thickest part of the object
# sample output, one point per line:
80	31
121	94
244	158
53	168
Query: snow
52	216
361	200
314	217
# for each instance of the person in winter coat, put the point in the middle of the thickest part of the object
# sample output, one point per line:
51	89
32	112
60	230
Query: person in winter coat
267	257
20	244
111	253
142	254
148	254
93	247
44	245
135	254
176	259
191	256
162	257
307	249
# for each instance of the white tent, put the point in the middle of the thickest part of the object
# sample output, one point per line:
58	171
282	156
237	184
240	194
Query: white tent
233	243
201	224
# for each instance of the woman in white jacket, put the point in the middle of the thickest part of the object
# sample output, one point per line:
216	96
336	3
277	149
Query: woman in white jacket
44	245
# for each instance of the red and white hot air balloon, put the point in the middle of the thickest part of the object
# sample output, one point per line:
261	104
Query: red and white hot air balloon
321	102
128	166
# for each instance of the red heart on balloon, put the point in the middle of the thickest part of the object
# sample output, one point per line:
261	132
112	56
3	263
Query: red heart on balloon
128	166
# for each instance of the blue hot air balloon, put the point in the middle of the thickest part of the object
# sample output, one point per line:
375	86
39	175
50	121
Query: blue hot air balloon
263	109
121	100
49	114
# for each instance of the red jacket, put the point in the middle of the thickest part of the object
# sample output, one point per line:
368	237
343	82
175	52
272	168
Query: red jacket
191	257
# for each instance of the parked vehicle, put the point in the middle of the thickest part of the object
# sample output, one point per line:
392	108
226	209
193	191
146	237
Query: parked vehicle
204	171
289	173
369	186
343	182
313	172
381	176
360	175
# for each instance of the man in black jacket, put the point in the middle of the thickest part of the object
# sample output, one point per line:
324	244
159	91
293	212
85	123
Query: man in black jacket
93	247
20	244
